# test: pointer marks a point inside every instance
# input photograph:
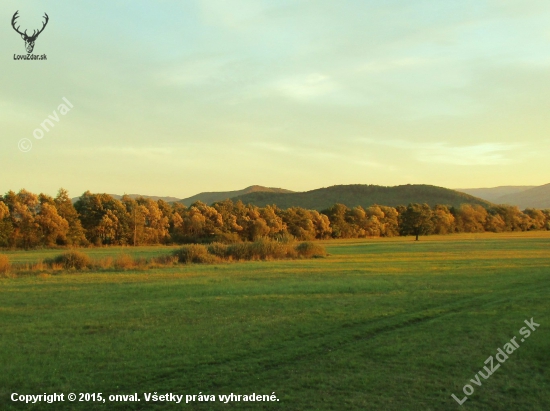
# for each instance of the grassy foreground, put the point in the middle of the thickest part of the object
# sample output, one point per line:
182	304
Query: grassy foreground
377	325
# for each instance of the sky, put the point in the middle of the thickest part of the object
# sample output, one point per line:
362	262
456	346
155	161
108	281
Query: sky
173	98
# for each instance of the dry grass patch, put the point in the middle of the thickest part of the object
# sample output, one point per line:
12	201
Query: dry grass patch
5	266
124	262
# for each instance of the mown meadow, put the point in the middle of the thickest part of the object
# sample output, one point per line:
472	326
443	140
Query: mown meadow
383	324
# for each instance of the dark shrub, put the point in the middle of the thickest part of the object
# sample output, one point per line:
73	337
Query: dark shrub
72	260
239	251
218	249
228	238
266	250
194	253
308	249
263	249
285	238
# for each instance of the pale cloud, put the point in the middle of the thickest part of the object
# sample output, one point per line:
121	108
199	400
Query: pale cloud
375	164
201	71
475	155
234	14
384	65
307	87
194	73
150	152
483	154
272	147
325	155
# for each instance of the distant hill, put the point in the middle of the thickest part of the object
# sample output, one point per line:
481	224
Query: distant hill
494	193
536	197
363	195
155	198
350	195
212	197
521	196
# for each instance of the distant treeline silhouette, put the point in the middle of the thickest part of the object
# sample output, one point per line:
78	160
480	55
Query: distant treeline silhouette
28	220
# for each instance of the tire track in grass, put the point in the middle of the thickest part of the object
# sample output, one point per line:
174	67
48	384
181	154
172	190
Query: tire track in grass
310	346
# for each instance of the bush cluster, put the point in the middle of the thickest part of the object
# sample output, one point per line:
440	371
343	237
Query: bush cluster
263	249
71	260
194	253
308	249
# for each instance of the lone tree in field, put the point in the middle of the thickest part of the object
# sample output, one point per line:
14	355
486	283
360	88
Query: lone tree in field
416	219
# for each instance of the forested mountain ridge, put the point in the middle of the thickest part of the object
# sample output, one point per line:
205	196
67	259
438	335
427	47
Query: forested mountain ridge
319	199
363	195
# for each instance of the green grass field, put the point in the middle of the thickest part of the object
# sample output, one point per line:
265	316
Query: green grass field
378	325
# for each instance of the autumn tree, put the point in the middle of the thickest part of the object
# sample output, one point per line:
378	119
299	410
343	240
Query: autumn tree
176	221
361	225
23	208
390	221
108	228
471	218
52	227
156	223
321	224
4	210
202	221
299	223
136	218
537	219
166	212
66	210
513	218
416	220
231	230
271	214
442	220
546	213
338	215
6	227
90	208
495	223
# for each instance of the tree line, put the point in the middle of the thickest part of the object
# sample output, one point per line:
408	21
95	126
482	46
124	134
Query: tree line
28	220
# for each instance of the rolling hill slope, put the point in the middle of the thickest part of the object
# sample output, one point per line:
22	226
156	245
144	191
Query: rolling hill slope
212	197
537	197
493	194
363	195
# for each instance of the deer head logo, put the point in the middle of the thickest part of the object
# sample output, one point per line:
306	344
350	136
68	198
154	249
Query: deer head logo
29	40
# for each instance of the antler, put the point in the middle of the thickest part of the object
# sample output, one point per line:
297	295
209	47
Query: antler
43	27
15	17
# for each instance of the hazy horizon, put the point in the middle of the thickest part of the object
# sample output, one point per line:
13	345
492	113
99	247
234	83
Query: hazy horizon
73	195
173	99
